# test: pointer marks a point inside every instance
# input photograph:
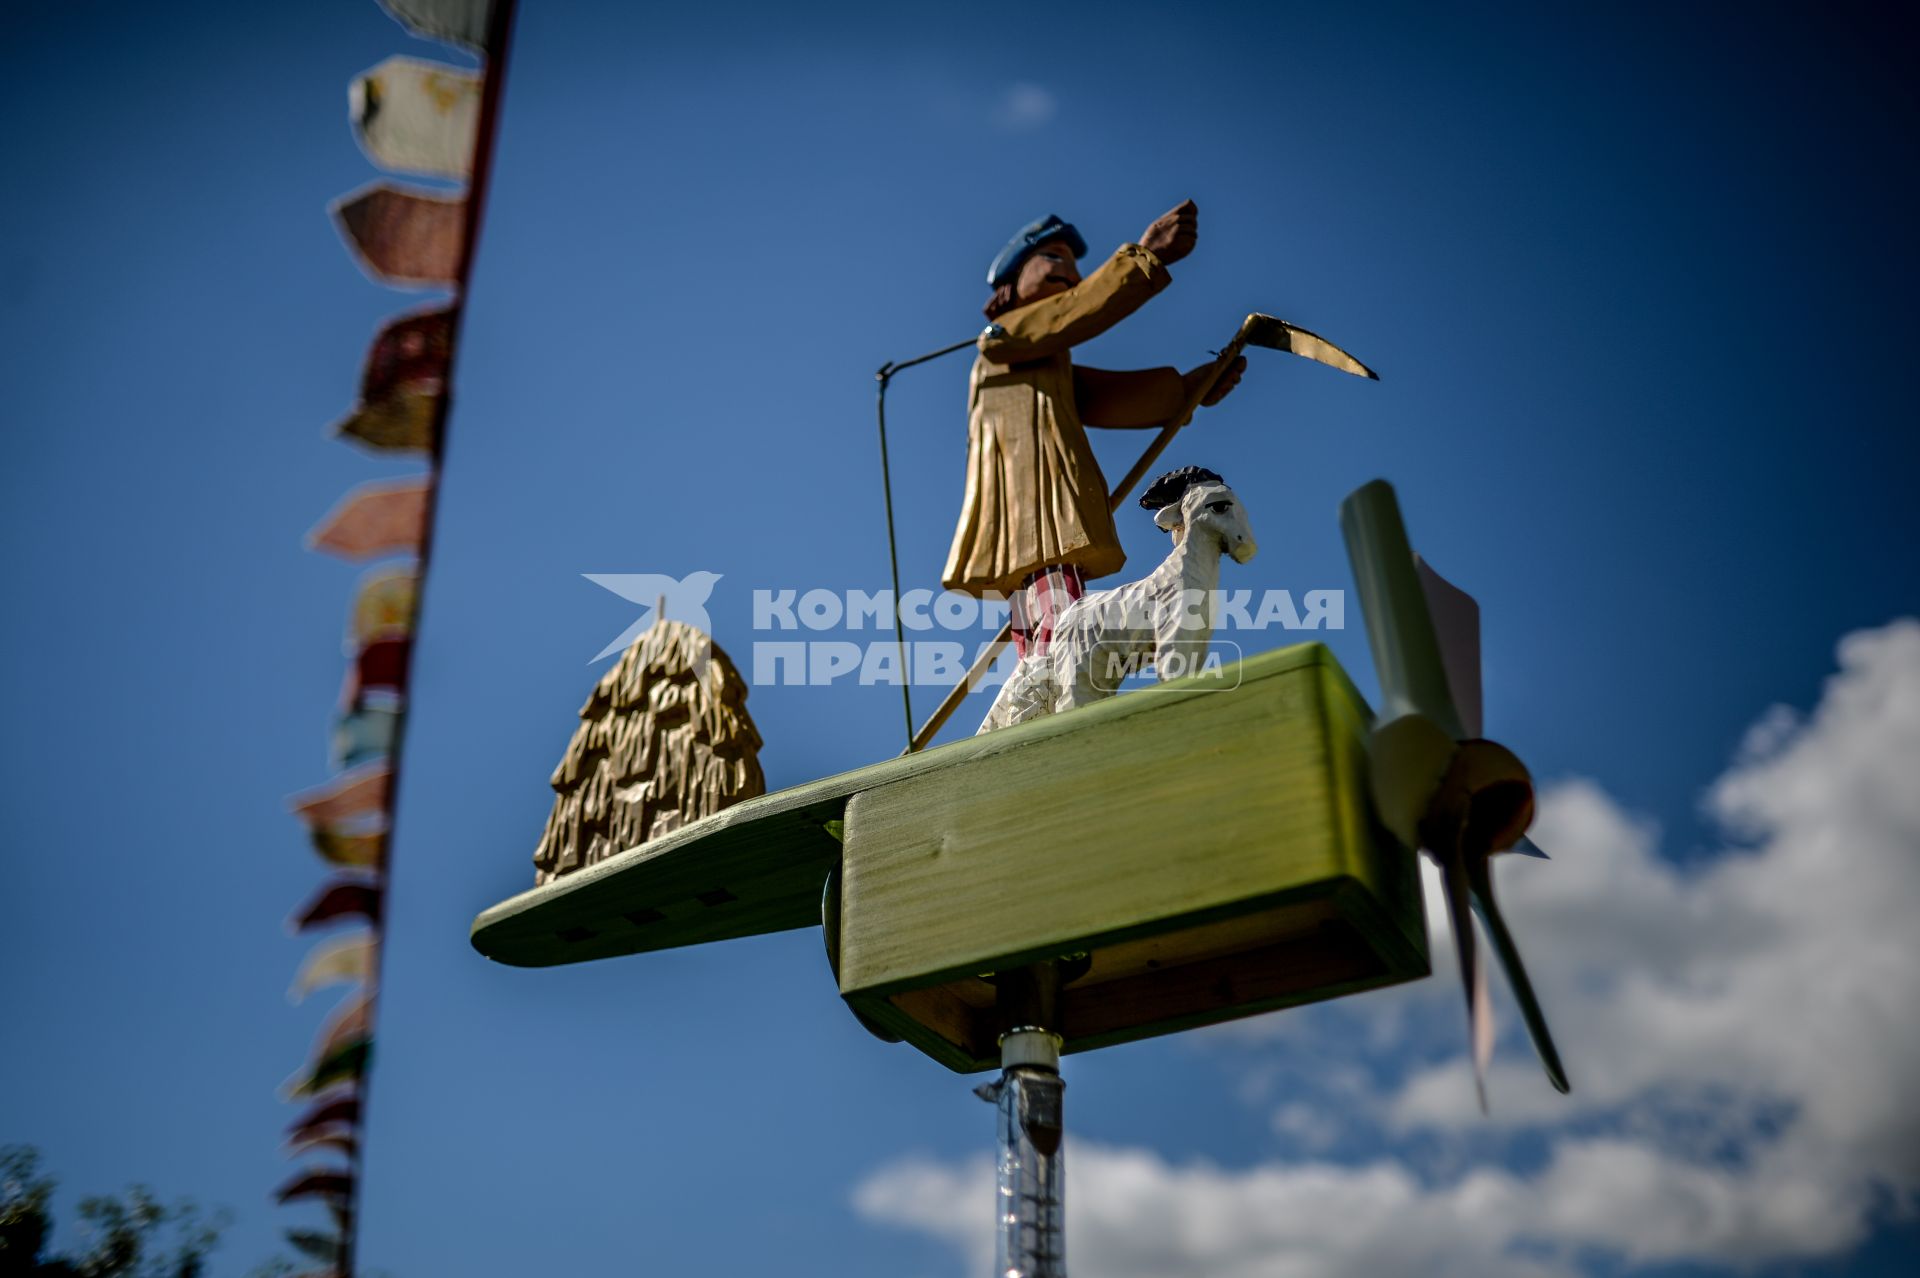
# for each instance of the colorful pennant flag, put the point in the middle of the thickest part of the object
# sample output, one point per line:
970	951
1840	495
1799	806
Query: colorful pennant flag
384	607
413	350
353	851
403	382
402	421
345	1063
341	899
340	1142
350	1022
380	666
404	238
461	22
358	793
344	959
384	516
324	1248
316	1184
362	735
326	1112
424	117
417	117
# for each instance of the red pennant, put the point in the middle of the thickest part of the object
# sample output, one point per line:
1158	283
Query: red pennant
380	666
327	1110
403	382
316	1184
342	1141
341	899
412	352
383	664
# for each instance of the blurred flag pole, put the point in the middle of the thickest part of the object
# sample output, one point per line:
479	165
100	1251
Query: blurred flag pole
499	28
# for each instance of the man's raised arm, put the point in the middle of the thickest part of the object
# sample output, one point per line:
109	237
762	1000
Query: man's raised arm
1039	329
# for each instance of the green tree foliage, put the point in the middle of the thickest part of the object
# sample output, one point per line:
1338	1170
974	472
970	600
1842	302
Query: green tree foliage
128	1235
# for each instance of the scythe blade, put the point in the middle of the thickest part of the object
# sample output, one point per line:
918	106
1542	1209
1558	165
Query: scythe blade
1278	335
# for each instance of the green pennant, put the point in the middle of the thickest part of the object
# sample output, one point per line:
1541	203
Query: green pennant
353	850
349	1060
324	1248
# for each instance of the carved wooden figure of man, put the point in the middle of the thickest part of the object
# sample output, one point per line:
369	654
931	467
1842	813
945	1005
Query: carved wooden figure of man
1034	525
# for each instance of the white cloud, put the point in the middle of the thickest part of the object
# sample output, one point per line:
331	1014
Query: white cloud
1743	1034
1024	106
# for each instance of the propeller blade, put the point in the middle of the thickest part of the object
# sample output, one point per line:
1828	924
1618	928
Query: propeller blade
1400	628
1481	1021
1453	875
1484	904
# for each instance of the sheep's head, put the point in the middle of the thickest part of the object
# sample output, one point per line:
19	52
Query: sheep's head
1195	499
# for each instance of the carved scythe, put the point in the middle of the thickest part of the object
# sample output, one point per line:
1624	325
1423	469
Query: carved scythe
1265	331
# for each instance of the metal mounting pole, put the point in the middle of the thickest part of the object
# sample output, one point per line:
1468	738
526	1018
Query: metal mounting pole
1031	1200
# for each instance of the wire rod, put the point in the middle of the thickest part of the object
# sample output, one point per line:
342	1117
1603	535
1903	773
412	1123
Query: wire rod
885	376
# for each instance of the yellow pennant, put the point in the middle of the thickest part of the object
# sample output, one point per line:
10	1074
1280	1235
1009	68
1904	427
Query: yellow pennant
344	960
384	607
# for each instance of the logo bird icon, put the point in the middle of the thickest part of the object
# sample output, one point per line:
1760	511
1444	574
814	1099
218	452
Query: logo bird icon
676	599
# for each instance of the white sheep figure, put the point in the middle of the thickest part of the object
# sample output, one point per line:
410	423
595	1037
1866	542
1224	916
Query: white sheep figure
1167	616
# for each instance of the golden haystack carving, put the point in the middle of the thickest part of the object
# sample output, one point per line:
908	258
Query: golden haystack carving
660	744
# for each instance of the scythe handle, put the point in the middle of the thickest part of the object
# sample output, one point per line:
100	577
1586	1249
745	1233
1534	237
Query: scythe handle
944	711
1124	488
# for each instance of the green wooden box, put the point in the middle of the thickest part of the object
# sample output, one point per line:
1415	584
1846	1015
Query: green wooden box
1207	842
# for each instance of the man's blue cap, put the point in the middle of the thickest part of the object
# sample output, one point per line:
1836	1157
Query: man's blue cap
1007	262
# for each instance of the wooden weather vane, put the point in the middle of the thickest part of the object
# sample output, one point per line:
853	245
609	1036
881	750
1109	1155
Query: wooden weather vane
1113	867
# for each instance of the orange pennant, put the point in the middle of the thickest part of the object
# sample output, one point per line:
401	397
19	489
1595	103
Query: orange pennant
351	794
351	1022
380	517
404	238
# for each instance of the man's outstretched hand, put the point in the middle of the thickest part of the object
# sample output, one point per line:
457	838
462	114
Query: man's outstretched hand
1229	379
1173	233
1170	238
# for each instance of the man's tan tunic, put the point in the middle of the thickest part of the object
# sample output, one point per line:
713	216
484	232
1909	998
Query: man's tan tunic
1035	495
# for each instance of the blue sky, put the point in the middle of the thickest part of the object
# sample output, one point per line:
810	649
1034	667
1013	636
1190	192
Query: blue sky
1637	283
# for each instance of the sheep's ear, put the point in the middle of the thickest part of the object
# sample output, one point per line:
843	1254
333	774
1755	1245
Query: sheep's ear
1168	517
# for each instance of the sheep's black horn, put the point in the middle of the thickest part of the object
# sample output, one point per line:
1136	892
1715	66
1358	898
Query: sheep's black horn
1169	488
